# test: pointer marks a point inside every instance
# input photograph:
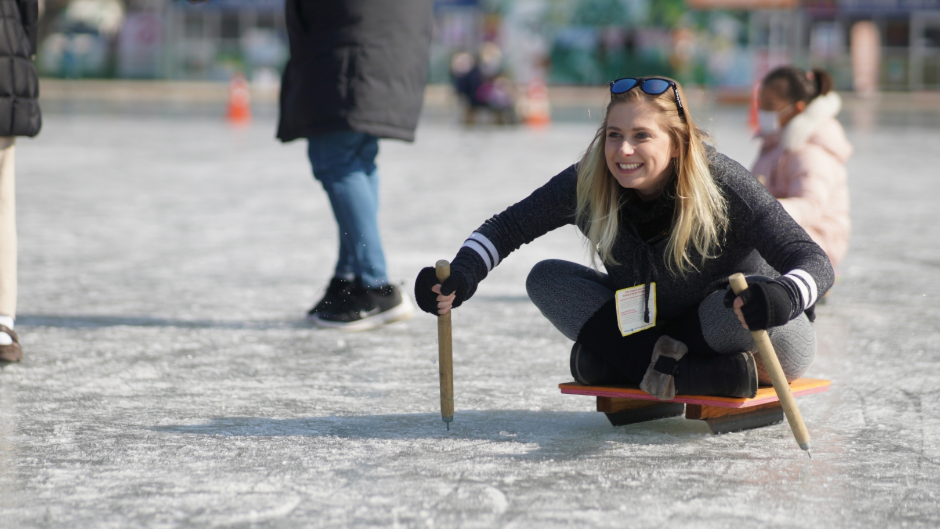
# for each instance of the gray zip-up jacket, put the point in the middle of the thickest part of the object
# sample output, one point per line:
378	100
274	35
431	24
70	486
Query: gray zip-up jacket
761	239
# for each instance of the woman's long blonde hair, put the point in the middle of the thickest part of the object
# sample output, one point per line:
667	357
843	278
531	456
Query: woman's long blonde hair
700	216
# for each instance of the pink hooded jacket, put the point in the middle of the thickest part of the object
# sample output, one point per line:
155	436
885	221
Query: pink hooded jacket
803	166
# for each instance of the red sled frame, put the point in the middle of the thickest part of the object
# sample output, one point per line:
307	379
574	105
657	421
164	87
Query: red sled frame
630	405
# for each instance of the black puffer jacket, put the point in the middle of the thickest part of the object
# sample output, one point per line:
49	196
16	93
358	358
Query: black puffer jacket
355	65
19	84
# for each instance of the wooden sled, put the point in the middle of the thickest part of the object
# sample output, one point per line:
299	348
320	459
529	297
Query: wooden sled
630	405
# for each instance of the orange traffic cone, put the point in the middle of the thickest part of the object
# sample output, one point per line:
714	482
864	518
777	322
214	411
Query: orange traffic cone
239	100
538	112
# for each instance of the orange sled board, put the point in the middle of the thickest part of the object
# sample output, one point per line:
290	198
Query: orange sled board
630	404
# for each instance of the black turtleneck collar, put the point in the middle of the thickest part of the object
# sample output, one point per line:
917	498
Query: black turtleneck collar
649	217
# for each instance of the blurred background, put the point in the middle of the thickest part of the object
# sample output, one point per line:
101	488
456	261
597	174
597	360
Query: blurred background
498	54
167	258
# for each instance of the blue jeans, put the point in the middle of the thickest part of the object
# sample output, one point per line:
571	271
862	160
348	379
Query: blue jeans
344	162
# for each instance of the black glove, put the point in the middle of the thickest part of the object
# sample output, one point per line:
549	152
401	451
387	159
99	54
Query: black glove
766	305
427	299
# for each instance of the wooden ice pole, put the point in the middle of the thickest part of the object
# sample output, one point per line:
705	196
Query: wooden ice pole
772	364
445	353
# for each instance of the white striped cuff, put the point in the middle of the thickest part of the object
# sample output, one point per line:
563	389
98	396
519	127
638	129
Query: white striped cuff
806	285
483	246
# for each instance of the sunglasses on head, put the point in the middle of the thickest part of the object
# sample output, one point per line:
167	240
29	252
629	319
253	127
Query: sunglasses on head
653	86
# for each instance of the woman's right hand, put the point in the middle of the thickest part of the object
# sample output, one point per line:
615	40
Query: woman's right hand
436	298
761	306
444	303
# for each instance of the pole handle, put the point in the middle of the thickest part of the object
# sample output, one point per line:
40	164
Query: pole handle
442	269
779	380
445	352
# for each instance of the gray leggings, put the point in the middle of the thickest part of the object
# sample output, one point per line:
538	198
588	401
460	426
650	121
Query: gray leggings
568	294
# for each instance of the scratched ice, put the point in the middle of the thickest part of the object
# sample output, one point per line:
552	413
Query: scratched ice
170	380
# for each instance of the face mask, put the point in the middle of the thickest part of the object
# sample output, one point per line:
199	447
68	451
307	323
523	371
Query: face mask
768	121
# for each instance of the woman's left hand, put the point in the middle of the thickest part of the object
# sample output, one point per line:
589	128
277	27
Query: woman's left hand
761	306
738	303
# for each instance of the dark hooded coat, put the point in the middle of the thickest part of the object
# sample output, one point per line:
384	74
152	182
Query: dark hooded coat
356	65
19	84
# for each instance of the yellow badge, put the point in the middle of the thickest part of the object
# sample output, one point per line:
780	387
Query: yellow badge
631	309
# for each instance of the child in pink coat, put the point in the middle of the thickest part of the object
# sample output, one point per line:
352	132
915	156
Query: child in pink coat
802	158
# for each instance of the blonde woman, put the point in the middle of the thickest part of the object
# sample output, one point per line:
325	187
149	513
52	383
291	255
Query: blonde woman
669	218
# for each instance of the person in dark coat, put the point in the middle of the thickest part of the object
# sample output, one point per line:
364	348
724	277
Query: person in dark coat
19	116
356	73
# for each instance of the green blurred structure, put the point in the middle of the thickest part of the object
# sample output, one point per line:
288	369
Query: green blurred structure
721	44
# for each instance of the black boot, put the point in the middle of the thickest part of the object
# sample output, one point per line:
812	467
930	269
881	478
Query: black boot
589	369
628	355
724	376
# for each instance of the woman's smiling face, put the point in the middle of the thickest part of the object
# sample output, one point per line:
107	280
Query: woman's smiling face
638	149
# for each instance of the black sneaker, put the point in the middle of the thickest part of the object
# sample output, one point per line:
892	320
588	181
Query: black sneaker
336	295
368	308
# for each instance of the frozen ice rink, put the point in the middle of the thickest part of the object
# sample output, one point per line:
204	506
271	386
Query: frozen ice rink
170	379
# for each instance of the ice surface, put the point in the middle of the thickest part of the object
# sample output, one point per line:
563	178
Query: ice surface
170	380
